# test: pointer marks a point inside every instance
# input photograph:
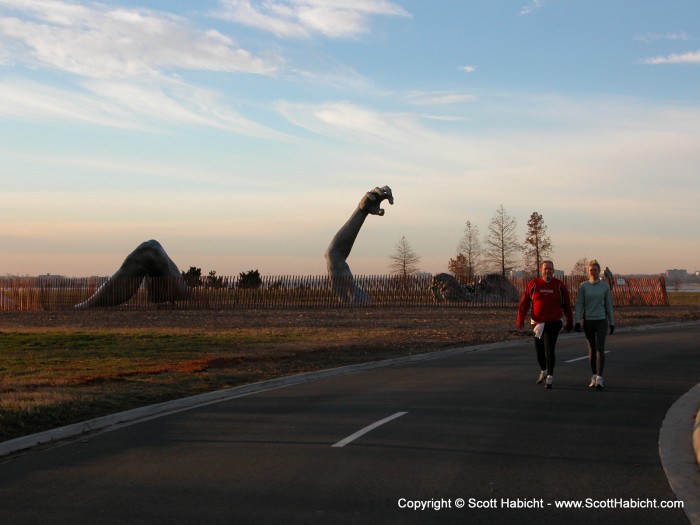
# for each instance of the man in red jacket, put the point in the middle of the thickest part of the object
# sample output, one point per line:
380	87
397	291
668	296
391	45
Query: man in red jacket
550	301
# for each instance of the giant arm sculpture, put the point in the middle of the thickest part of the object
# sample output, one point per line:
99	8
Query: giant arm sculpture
340	246
147	260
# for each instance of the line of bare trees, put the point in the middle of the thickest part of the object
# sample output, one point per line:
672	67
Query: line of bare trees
499	251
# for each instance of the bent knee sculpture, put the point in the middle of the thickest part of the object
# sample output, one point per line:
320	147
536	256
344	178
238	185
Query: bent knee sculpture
147	260
339	249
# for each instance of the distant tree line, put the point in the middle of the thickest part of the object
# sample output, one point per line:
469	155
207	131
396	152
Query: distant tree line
193	277
500	251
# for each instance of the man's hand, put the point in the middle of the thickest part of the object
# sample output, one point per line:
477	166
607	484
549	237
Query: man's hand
372	199
612	329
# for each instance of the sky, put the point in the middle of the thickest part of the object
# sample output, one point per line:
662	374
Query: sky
241	134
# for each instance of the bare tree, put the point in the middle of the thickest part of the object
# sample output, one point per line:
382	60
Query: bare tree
538	245
459	267
501	244
404	261
676	283
580	267
468	254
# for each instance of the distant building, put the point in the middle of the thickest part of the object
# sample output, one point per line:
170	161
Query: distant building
671	274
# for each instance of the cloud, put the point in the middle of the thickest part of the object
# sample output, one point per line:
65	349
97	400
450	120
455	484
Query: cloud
339	119
304	18
126	68
400	133
32	100
653	37
97	41
531	7
124	105
440	98
691	57
468	69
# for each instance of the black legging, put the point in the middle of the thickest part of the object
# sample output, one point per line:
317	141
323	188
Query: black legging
545	346
595	332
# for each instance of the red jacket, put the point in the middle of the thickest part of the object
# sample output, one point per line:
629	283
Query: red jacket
549	300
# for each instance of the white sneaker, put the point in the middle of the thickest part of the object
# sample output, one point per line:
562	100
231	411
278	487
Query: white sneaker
542	377
549	382
593	381
599	383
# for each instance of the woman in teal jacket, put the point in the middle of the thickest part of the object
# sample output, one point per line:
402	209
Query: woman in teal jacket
594	308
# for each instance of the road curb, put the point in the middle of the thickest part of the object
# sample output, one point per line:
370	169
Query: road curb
678	458
696	435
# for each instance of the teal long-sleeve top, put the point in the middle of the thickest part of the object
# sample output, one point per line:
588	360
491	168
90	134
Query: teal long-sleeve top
594	302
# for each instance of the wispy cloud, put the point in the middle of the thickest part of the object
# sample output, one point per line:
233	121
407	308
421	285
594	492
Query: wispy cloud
304	18
439	98
691	57
31	100
126	68
400	132
654	37
467	69
125	105
102	42
531	7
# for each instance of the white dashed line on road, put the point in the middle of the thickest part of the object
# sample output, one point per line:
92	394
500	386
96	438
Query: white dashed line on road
368	428
582	358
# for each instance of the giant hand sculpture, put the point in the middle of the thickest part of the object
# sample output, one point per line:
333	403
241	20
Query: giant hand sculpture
340	246
147	260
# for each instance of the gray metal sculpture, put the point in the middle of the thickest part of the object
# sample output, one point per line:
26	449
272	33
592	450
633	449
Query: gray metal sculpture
447	289
148	260
491	287
608	277
339	249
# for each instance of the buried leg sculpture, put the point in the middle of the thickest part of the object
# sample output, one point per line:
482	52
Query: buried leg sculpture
147	260
339	249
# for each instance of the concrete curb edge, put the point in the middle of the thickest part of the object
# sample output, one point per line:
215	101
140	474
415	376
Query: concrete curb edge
679	456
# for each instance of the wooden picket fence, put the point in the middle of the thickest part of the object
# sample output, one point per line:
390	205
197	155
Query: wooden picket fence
43	293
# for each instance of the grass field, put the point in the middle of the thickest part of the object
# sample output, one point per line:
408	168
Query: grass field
62	368
60	377
684	298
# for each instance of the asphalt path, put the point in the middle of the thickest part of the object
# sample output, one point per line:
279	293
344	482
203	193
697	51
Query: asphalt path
408	443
